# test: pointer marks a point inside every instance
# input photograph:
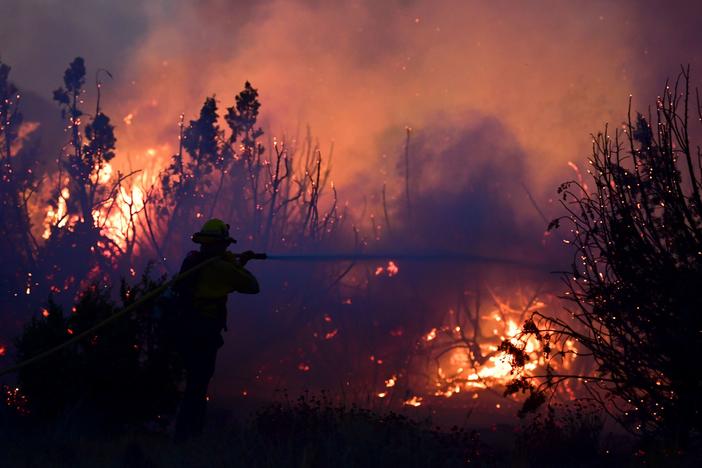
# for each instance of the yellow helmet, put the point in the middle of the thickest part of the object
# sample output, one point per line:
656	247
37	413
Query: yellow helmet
214	230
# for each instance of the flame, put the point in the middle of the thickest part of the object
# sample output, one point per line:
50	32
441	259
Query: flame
57	217
116	217
392	269
461	369
469	361
431	335
414	401
462	372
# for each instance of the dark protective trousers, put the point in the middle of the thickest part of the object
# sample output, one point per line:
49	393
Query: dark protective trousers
202	342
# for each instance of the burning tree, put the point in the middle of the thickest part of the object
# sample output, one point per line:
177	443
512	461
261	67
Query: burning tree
270	195
92	149
98	227
85	202
637	243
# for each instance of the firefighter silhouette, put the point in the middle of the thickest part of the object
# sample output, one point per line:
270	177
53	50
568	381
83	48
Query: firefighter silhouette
202	297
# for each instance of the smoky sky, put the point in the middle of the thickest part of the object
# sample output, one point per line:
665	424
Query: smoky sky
358	73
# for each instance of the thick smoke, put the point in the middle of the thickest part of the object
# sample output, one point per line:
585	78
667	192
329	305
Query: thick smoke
458	203
463	180
551	72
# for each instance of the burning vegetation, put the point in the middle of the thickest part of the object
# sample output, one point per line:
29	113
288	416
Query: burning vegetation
384	335
631	290
85	226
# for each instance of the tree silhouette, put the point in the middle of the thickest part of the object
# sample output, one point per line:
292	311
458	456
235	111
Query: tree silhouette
636	236
125	374
85	193
92	149
270	196
184	184
17	184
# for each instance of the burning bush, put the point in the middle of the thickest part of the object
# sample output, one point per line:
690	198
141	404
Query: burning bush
636	235
474	348
270	196
345	325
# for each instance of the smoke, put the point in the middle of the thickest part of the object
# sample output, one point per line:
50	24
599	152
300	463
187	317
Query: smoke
382	304
465	175
550	72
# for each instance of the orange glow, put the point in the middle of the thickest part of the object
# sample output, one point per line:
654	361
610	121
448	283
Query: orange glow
456	61
58	217
431	335
459	369
414	401
116	217
446	65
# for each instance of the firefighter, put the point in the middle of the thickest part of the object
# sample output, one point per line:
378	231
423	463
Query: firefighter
203	299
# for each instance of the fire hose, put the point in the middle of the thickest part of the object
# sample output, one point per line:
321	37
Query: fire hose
323	257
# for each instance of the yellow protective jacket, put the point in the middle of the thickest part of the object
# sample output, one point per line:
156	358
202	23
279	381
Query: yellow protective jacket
207	289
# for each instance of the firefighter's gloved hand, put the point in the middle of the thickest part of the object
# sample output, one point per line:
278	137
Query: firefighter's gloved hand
244	257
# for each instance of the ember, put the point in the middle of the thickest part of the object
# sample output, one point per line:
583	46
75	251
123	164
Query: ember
15	399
